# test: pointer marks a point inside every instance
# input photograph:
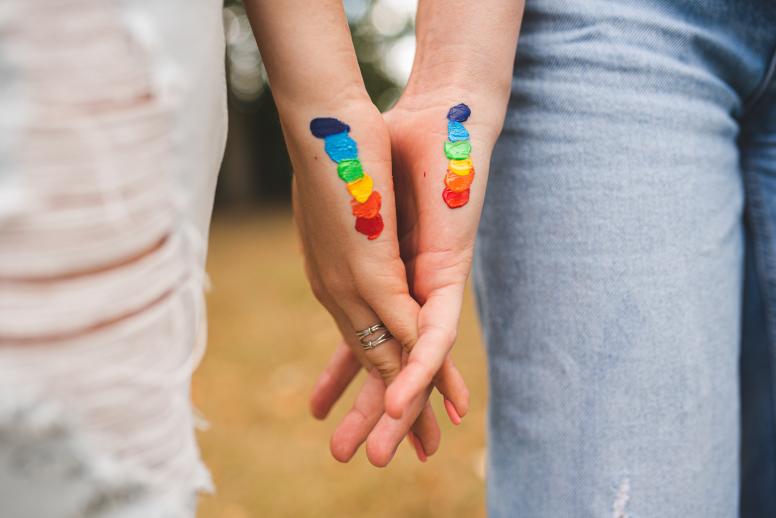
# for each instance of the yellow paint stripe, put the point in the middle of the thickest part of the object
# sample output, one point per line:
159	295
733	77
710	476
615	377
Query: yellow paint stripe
361	188
460	167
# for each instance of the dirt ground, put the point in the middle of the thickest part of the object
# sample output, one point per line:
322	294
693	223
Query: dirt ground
268	341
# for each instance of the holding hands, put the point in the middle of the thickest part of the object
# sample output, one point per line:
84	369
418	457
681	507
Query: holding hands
387	206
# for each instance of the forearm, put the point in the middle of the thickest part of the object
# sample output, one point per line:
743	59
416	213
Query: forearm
307	50
465	53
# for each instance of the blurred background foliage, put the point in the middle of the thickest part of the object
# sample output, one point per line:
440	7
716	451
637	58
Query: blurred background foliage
256	168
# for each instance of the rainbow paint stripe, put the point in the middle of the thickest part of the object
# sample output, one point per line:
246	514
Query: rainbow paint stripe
343	150
460	171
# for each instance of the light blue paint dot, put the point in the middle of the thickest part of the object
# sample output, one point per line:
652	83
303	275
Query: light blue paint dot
456	131
340	147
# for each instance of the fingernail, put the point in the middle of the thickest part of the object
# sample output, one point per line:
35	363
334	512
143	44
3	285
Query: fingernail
422	457
452	413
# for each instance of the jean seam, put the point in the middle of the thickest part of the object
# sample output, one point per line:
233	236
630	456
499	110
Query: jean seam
761	235
759	93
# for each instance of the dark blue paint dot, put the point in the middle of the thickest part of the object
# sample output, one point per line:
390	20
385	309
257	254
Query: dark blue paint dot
322	127
459	113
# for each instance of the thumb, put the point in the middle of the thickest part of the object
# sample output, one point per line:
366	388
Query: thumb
438	328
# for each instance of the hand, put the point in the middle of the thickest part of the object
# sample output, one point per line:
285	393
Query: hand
437	245
436	241
360	279
364	421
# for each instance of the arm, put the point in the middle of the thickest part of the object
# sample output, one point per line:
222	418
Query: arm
465	51
343	194
307	50
465	54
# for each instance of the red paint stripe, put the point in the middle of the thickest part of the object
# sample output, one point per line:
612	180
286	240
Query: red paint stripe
370	227
455	199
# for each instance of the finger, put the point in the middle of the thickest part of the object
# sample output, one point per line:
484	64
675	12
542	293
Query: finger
425	425
437	325
360	419
386	358
335	378
452	386
388	433
415	443
387	361
367	411
389	298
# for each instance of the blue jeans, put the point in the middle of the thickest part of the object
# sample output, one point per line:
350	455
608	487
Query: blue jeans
626	264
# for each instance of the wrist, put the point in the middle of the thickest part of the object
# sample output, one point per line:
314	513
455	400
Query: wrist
335	96
352	107
435	100
360	119
445	73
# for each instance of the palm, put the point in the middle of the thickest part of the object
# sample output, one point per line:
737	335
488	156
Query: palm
436	242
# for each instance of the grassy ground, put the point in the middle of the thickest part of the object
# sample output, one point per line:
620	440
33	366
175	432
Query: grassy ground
268	341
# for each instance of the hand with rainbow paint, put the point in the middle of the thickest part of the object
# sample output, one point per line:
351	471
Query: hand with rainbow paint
439	200
353	263
436	244
345	211
442	129
353	257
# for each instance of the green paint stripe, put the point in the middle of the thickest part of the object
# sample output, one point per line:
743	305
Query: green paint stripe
459	150
350	170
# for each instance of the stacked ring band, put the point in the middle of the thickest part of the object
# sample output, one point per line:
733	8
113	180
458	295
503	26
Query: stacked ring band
364	334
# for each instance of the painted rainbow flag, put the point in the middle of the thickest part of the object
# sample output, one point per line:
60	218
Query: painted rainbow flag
460	171
343	150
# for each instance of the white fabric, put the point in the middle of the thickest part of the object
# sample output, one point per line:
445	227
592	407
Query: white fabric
112	130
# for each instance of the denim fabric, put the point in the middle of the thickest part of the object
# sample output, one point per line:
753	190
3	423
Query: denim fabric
632	196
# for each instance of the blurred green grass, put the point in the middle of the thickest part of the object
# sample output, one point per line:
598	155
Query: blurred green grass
268	341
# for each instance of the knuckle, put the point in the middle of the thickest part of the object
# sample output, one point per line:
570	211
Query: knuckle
387	369
408	342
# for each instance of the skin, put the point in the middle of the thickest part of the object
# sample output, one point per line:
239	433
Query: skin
360	282
412	277
437	242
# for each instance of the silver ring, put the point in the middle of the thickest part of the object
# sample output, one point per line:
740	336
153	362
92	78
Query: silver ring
371	330
364	334
371	344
